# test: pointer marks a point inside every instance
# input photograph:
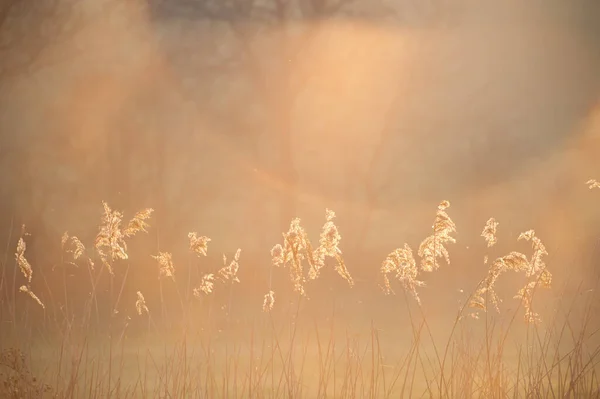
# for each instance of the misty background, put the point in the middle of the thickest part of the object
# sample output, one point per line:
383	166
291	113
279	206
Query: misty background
230	118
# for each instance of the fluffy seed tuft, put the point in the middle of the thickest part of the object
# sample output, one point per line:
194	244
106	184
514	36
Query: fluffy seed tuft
140	304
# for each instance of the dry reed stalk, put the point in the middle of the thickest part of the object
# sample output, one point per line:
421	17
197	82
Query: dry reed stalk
329	241
206	285
25	267
433	247
140	304
514	261
74	246
534	269
489	232
28	291
593	183
536	264
138	222
402	262
537	273
110	241
23	263
297	247
229	272
166	266
198	245
269	301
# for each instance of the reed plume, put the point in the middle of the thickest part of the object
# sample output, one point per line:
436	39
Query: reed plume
329	241
328	245
534	269
206	285
489	232
110	241
537	274
229	272
297	247
165	263
514	261
138	222
593	183
74	246
28	291
198	245
268	301
403	264
25	267
140	304
22	261
433	246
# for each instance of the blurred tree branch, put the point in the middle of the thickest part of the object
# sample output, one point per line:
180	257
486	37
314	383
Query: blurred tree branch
30	31
276	74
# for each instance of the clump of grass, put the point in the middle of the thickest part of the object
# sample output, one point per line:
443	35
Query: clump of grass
271	371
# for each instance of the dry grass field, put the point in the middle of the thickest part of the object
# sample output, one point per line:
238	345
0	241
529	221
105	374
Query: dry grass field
340	207
198	332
